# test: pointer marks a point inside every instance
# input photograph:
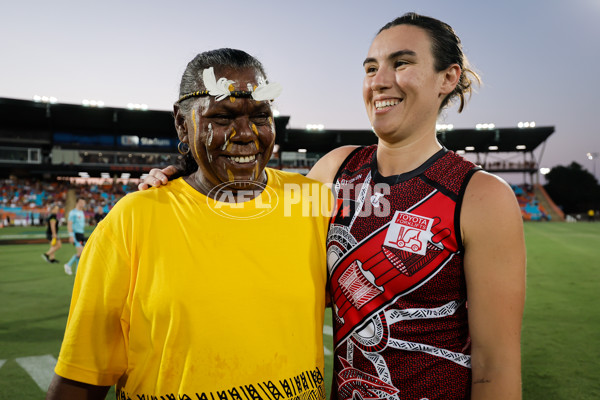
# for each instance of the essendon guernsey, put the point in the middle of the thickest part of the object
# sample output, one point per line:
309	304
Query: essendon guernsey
397	282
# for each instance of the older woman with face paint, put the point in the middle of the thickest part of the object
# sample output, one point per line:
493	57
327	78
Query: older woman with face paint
426	252
190	291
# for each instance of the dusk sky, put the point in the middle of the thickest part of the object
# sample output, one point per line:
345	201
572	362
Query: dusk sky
538	59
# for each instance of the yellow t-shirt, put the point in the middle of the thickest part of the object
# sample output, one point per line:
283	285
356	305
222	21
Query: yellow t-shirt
177	294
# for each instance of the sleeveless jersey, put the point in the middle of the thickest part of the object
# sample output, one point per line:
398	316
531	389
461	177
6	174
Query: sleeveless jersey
396	276
48	228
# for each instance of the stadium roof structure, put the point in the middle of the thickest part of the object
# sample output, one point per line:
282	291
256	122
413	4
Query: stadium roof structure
29	124
521	140
505	139
24	119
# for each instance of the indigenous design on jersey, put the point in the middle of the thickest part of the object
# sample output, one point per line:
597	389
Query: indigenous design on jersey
397	280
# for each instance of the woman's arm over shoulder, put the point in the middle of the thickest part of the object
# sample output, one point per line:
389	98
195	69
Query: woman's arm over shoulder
327	166
495	259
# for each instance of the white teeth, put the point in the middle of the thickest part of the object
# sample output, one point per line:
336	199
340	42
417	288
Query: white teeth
245	159
386	103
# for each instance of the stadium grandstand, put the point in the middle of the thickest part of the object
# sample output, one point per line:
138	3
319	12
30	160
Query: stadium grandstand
52	152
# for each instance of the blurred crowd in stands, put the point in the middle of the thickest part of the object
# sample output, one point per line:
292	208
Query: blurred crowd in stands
27	202
508	165
120	158
531	210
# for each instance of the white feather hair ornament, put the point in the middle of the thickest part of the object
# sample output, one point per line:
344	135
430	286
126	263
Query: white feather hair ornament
266	91
220	88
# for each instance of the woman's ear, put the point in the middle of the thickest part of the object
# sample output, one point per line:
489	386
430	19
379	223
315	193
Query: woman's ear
451	77
180	123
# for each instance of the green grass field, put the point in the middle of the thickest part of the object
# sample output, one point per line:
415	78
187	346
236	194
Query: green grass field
561	329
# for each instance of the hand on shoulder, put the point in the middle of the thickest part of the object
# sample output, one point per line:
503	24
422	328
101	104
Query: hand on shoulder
157	177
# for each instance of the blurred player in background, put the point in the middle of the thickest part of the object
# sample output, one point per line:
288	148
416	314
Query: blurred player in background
52	235
76	228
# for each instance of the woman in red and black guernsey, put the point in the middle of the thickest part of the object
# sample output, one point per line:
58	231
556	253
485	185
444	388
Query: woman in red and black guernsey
425	251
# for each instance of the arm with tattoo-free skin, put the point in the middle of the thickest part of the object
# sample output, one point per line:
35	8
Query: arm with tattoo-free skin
67	389
327	166
492	231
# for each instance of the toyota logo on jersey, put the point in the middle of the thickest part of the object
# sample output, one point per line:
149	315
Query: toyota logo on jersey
409	232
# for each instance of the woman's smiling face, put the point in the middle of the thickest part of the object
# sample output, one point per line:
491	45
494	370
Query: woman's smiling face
402	90
231	139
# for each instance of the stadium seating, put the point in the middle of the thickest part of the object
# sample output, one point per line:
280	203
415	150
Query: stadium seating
27	202
531	209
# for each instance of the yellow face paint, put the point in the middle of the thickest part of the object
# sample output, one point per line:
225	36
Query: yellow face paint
233	133
256	172
255	130
194	120
193	148
230	175
196	145
231	88
232	99
229	147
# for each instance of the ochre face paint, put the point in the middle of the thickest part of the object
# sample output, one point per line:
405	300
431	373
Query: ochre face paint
195	147
255	130
228	145
232	99
193	141
230	175
194	121
256	172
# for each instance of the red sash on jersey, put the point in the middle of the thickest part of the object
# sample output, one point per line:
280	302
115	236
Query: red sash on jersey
373	274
